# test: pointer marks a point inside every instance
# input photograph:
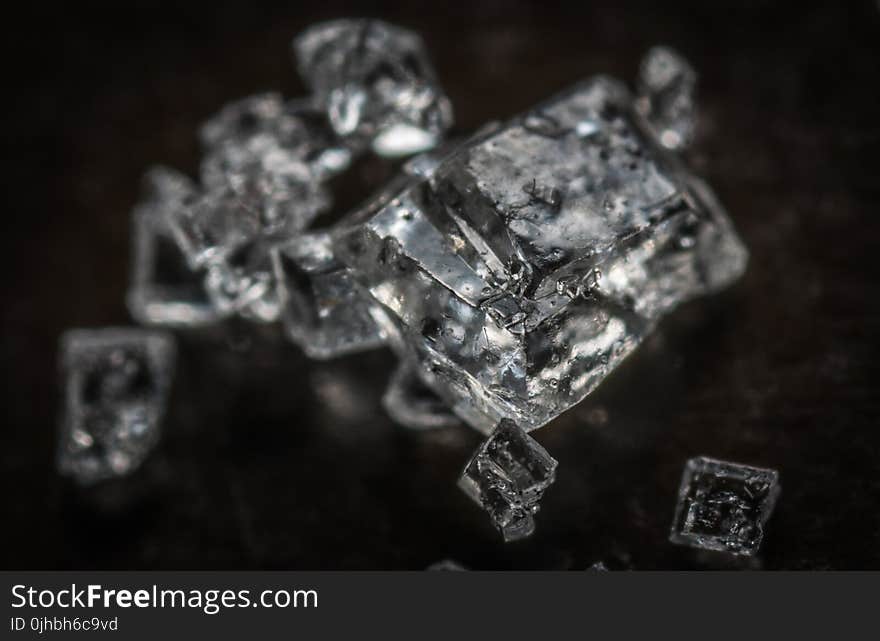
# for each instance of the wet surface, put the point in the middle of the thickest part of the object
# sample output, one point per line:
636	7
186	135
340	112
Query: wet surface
270	460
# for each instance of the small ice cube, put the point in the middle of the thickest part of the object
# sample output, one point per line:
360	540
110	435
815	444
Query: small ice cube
724	506
507	476
164	290
376	84
116	382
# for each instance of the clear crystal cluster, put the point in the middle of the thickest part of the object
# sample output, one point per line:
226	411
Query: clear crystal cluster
510	272
507	476
116	382
263	181
724	506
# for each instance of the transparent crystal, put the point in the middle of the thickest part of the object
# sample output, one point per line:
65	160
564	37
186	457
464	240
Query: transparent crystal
507	476
376	84
666	96
244	283
322	308
410	403
269	178
243	119
297	127
213	225
535	257
724	506
598	566
116	381
446	565
163	289
263	172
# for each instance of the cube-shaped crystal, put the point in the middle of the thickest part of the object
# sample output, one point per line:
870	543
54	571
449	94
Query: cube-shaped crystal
116	382
535	257
376	84
507	476
164	290
323	309
724	506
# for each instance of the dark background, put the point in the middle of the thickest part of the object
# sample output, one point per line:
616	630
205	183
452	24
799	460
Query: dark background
272	461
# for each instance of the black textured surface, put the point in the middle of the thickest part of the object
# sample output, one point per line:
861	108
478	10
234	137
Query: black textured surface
272	461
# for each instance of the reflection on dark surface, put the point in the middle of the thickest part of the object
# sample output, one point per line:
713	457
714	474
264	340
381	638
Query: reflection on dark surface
271	460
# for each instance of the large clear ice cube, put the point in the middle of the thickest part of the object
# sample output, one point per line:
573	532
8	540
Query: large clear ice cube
376	84
507	476
535	257
116	382
163	289
724	506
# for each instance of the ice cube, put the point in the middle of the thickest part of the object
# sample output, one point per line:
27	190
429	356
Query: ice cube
116	382
322	307
666	96
163	289
724	506
507	476
412	404
536	256
376	84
